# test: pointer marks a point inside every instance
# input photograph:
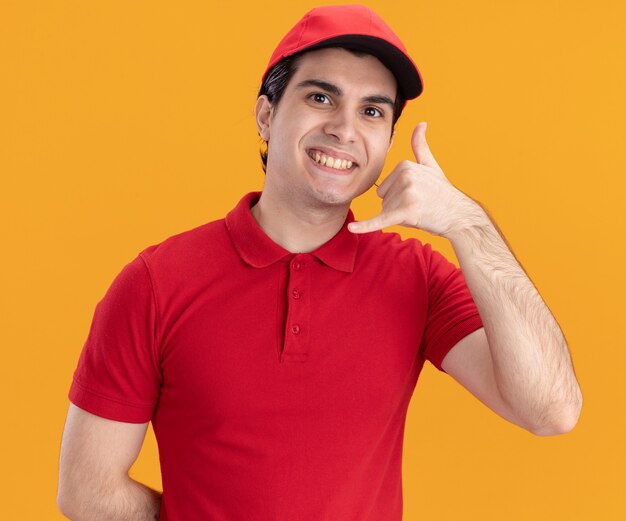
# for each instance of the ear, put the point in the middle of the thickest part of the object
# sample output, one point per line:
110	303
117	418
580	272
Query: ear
262	113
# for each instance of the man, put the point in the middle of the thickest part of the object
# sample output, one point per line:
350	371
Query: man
276	350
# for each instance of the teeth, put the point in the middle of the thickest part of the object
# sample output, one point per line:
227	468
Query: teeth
339	164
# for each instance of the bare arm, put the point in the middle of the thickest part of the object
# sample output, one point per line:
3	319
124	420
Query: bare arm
520	364
531	363
96	455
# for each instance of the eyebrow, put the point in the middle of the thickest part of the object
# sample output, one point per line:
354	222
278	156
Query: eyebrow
333	89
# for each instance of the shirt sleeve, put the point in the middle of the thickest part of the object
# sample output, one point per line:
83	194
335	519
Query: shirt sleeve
118	374
452	312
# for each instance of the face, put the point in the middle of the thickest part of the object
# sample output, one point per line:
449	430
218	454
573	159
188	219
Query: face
330	133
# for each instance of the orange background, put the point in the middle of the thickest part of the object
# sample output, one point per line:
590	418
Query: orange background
122	123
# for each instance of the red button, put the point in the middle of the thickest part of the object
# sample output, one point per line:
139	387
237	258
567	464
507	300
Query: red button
295	329
295	294
296	265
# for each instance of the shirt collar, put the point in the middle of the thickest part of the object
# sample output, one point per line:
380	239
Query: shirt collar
259	251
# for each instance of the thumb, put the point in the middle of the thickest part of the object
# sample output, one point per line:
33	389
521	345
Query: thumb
420	147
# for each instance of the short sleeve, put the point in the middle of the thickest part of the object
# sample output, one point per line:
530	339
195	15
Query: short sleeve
452	312
118	374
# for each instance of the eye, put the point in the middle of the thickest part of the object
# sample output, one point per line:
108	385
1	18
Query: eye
318	97
374	112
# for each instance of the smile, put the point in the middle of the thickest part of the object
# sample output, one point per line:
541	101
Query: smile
328	161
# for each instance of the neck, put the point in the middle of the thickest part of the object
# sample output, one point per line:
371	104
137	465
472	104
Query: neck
297	229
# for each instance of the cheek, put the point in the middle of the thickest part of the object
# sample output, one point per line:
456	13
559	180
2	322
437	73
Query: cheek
289	132
378	153
284	145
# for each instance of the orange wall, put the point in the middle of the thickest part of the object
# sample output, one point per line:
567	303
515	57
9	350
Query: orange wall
122	123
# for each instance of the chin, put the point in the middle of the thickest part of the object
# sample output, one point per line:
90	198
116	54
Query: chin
331	197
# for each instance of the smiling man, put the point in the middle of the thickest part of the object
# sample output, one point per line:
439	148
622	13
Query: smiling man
276	350
328	138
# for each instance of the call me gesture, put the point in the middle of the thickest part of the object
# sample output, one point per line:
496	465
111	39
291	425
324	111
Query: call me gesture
519	364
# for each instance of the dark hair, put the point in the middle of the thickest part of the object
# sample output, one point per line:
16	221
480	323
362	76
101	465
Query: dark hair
278	77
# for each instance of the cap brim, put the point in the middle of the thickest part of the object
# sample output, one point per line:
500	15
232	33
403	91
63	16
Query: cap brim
406	73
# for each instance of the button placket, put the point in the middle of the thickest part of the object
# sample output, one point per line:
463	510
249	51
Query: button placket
296	335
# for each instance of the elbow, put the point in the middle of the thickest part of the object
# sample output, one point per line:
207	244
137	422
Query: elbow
65	503
69	500
555	428
64	506
562	423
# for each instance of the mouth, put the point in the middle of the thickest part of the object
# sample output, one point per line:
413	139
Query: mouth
332	161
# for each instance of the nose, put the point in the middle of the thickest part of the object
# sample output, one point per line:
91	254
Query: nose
342	125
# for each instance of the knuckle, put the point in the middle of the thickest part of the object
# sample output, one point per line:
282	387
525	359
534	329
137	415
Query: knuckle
413	191
407	181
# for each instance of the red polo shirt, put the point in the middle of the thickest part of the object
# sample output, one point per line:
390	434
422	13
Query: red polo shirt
277	383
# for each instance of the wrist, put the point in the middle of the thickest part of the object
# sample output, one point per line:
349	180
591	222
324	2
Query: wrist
470	218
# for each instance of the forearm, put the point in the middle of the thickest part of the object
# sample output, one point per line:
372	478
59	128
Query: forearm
124	500
531	362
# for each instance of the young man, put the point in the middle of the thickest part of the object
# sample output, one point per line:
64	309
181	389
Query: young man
276	350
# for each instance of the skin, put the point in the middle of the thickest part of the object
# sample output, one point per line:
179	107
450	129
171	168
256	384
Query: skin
518	364
96	455
303	205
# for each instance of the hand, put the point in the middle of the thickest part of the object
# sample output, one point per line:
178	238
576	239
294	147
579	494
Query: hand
417	195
